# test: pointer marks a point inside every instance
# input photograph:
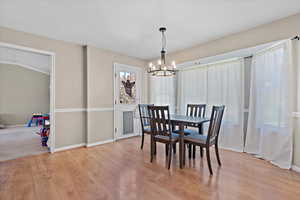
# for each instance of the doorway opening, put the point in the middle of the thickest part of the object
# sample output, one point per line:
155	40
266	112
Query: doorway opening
26	101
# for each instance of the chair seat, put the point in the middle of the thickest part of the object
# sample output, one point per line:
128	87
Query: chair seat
175	137
188	132
196	138
147	129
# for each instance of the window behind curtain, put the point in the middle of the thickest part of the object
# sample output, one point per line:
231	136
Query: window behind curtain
162	91
192	87
270	124
217	84
225	87
271	88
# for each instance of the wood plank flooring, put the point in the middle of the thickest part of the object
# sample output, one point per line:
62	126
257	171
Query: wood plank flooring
121	170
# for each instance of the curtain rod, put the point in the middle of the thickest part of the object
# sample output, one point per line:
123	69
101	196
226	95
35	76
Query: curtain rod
297	37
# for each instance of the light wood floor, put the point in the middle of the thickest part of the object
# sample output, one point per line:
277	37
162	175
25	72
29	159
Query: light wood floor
121	170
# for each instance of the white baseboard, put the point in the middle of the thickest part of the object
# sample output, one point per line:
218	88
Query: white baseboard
99	143
15	126
127	136
296	168
69	147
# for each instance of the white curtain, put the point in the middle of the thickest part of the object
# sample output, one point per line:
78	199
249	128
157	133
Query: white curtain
226	86
269	132
192	88
215	84
163	91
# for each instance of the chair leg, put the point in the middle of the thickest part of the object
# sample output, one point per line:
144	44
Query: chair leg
194	151
151	149
201	152
217	153
174	148
155	148
190	150
170	155
183	158
208	160
142	145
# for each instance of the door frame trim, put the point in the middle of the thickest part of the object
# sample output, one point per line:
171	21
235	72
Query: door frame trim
116	65
52	85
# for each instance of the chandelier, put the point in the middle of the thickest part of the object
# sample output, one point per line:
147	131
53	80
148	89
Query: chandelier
162	69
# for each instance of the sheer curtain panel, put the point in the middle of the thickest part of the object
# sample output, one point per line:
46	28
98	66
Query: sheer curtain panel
215	84
163	91
269	133
192	87
226	87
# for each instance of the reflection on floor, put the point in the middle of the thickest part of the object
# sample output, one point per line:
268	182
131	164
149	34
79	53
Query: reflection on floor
121	170
20	142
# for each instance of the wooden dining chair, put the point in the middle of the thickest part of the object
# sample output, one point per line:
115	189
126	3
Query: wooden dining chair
206	141
161	130
145	121
194	110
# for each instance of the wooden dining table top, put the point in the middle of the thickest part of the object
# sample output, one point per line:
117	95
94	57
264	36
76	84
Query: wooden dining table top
177	118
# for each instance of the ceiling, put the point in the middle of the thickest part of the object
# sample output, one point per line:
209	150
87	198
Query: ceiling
131	26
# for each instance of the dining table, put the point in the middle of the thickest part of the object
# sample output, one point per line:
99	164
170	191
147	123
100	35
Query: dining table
181	121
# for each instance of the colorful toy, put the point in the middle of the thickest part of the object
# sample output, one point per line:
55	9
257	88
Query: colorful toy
38	118
45	132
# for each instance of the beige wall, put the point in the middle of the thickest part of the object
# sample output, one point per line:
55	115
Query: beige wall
70	128
22	92
281	29
73	66
101	92
70	85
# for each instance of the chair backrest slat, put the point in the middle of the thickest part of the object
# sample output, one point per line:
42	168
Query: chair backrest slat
160	120
196	110
144	115
215	122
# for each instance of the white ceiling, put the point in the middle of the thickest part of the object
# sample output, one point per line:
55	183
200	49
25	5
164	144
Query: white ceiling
131	26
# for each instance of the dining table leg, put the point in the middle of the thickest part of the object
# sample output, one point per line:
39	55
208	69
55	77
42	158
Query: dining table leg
181	145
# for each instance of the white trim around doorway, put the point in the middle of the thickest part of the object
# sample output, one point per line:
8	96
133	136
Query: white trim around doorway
129	68
52	85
